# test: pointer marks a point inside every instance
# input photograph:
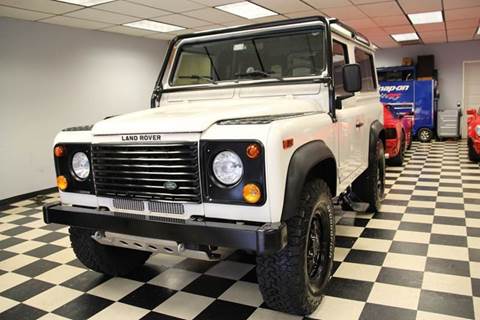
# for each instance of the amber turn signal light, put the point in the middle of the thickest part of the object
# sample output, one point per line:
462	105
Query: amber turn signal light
62	183
59	151
251	193
253	151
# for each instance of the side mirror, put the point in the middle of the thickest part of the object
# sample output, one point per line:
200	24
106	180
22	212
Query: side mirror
352	78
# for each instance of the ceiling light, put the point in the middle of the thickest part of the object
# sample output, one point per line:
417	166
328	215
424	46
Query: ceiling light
426	17
478	30
86	3
401	37
247	10
153	26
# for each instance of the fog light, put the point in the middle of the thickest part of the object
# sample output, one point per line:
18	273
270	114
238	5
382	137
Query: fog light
59	151
251	193
62	183
253	151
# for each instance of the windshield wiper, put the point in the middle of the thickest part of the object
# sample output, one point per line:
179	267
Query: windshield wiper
258	73
199	77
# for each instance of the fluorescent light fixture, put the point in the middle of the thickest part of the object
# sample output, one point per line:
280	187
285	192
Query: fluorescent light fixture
426	17
401	37
86	3
153	26
247	10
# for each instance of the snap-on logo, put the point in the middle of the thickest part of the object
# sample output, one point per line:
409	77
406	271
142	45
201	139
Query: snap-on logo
141	137
389	89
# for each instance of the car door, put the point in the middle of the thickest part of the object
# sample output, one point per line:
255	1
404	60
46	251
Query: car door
348	118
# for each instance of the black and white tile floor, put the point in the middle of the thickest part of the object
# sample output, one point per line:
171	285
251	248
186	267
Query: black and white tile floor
419	258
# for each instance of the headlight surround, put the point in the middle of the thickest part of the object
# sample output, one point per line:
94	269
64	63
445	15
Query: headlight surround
477	130
227	167
80	165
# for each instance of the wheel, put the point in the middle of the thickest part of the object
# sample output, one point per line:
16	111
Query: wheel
370	185
398	159
105	259
425	135
472	154
293	279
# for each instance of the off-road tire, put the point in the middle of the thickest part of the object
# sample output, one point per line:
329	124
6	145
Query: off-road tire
113	261
370	186
425	135
283	277
400	157
472	154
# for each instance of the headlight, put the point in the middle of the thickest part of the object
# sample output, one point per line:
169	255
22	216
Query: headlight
477	130
227	167
80	165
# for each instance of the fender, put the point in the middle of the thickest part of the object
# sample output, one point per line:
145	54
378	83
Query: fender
376	132
303	161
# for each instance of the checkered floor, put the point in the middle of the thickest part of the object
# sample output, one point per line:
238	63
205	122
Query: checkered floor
419	258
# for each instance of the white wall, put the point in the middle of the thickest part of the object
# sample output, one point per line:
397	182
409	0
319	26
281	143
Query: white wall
53	77
449	59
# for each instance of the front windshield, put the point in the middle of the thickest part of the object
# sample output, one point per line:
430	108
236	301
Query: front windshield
293	54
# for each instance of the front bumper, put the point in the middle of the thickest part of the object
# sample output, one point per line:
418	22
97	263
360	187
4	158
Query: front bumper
264	239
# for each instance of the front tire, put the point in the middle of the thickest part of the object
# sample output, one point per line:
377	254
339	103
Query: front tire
472	154
113	261
293	279
425	135
370	186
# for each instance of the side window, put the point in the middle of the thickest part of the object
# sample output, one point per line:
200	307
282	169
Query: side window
340	58
365	60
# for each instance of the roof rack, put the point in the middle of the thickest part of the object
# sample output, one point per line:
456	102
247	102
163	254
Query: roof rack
352	33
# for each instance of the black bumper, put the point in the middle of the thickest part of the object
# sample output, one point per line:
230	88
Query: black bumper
263	239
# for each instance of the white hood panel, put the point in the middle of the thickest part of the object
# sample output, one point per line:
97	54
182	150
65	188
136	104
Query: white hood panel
197	116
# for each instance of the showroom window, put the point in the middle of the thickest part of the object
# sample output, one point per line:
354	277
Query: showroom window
368	73
339	58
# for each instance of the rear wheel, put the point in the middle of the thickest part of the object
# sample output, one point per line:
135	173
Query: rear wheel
398	159
472	154
105	259
370	185
293	279
425	135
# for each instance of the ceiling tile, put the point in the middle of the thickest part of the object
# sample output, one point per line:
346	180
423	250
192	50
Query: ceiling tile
22	14
397	20
465	32
171	5
430	27
361	23
433	35
416	6
101	16
128	30
182	21
214	3
237	22
301	14
47	6
323	4
399	29
132	9
210	27
381	9
369	1
345	13
76	23
454	4
374	32
211	14
459	38
268	19
283	6
461	14
461	24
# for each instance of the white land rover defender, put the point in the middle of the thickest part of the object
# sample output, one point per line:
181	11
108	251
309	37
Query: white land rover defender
252	132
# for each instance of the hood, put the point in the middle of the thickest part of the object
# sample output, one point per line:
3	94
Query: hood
197	116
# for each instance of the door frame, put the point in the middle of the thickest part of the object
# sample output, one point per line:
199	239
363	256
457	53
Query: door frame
463	124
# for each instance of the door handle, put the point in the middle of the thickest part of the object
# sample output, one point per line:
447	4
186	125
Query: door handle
359	124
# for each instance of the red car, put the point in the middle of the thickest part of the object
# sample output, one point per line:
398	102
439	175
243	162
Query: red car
398	134
473	124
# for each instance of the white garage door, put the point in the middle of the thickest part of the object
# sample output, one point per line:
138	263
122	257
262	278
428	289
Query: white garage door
471	89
